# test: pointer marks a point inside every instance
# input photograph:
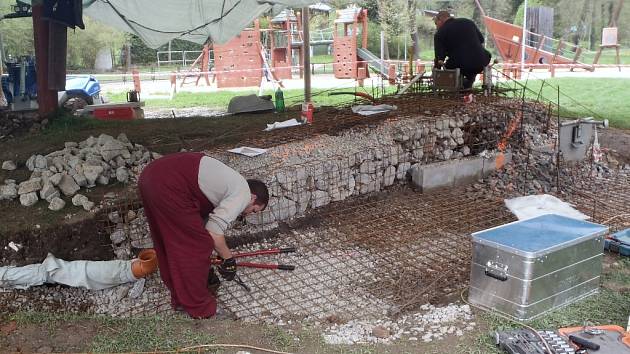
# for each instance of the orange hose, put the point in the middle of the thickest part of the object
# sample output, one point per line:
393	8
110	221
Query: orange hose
145	264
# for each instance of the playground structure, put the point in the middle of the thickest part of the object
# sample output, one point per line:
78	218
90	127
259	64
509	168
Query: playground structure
285	35
508	42
352	58
261	54
239	63
541	51
347	63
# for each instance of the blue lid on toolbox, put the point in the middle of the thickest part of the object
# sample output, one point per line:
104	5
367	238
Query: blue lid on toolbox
540	235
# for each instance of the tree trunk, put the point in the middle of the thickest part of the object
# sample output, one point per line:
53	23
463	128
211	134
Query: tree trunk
415	42
615	14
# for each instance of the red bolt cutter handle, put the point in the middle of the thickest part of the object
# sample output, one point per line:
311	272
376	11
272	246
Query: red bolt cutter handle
264	252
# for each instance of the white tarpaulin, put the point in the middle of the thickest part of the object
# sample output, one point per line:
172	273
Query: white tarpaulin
158	21
93	275
535	205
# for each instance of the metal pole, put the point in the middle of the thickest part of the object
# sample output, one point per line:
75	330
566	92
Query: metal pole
306	44
523	40
169	53
382	49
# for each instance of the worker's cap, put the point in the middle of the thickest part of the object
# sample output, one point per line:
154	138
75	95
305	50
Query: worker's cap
441	15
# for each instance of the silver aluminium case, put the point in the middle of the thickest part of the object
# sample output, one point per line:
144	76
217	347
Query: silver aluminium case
529	267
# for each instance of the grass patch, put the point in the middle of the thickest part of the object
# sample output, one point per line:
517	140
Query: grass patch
148	334
279	338
602	98
606	308
321	59
220	100
607	57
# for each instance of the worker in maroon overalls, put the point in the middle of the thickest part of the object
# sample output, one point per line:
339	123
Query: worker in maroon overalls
190	199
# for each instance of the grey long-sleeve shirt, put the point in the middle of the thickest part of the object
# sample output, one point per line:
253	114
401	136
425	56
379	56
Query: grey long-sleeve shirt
226	189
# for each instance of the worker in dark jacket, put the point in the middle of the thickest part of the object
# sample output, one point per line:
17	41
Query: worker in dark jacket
190	200
459	40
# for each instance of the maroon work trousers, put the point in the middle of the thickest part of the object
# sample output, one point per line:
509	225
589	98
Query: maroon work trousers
175	208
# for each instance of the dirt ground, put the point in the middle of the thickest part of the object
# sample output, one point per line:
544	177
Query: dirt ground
76	336
75	234
618	141
81	334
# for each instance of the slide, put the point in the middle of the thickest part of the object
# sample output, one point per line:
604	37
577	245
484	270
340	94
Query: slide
373	61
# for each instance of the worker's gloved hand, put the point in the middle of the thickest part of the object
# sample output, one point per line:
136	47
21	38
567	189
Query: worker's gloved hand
227	269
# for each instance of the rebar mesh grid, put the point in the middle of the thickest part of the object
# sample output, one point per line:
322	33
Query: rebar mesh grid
605	200
378	256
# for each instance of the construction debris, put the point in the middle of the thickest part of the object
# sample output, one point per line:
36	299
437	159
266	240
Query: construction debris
9	165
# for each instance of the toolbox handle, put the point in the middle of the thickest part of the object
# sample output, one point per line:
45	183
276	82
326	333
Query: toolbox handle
500	276
584	342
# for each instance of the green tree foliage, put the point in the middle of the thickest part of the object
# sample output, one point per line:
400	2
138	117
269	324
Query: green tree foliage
17	35
83	45
141	54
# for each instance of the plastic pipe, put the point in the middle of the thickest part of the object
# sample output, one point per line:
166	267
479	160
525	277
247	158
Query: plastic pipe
145	264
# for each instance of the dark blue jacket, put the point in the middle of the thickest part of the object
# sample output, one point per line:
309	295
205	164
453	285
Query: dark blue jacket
460	40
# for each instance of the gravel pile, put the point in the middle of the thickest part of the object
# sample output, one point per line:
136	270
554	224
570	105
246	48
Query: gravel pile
431	323
85	164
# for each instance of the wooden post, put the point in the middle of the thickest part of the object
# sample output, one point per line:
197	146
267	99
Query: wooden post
617	59
535	59
361	75
392	73
136	79
578	52
46	98
553	59
306	40
597	55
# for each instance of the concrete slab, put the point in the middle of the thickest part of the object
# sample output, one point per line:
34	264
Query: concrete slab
456	172
468	170
432	176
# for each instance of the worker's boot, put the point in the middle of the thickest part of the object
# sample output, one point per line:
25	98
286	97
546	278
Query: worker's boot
213	281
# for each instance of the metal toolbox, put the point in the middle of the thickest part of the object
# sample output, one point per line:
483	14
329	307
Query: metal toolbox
528	267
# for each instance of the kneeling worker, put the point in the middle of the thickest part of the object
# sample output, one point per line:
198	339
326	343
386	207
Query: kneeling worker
179	191
460	40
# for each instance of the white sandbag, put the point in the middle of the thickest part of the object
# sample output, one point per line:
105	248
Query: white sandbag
535	205
93	275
